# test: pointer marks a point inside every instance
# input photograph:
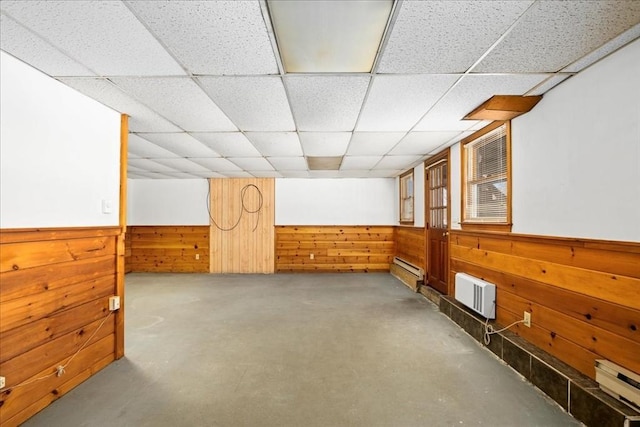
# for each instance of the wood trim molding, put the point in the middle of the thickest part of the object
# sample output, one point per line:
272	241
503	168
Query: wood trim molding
503	107
611	245
124	148
18	235
120	242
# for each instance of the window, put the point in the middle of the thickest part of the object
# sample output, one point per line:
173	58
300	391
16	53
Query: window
406	198
486	169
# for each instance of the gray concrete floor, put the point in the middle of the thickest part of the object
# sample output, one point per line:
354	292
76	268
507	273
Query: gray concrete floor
296	350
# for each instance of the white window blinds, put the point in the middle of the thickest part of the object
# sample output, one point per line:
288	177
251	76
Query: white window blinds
486	178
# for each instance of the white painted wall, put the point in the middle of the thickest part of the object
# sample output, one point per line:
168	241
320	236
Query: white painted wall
365	201
167	202
59	153
455	178
576	155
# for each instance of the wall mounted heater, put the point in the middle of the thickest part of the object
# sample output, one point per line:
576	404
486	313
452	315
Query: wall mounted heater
476	294
409	274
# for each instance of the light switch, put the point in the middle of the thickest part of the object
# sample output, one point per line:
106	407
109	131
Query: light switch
106	206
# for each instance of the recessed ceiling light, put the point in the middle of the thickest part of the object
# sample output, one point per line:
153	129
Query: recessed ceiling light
329	36
324	163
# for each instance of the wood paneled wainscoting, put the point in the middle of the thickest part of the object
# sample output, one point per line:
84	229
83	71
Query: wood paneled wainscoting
410	245
584	295
55	286
334	248
169	249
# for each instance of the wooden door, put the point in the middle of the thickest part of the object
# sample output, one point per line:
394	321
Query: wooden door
437	214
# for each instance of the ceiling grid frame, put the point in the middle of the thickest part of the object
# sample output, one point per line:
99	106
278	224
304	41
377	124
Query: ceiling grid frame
601	42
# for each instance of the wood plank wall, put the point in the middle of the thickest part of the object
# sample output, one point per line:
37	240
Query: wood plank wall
334	248
584	295
55	286
169	249
127	251
248	248
410	245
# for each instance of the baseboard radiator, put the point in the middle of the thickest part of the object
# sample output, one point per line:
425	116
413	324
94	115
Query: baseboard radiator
619	382
475	293
408	273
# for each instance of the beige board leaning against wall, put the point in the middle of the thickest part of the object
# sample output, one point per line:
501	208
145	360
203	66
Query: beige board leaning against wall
242	225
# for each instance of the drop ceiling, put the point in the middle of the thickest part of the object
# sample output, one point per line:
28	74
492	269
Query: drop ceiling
204	85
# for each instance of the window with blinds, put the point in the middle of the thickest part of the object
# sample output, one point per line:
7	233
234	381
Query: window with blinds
486	198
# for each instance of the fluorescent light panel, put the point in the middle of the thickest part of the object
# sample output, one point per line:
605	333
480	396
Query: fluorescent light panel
329	36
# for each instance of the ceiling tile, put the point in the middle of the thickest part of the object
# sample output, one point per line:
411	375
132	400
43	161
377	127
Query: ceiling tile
276	143
102	35
373	143
265	174
183	144
30	48
288	163
131	168
182	165
471	91
252	163
324	143
295	173
624	38
228	144
446	36
554	34
153	175
551	82
420	143
359	162
231	37
396	103
207	174
135	176
252	103
149	166
147	149
141	118
326	103
181	175
397	162
178	99
216	164
385	173
355	173
237	174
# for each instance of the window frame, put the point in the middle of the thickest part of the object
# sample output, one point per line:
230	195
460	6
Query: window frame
470	224
408	175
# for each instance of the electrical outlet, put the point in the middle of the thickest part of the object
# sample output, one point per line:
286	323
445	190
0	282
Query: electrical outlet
2	382
197	256
114	303
311	256
527	319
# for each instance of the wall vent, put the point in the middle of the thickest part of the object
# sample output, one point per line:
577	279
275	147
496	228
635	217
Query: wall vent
476	294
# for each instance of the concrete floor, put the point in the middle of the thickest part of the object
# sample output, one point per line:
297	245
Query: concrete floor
296	350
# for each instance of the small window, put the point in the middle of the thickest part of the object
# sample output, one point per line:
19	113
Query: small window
486	177
406	198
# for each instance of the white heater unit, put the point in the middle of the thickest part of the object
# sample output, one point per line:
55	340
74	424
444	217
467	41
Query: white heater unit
476	294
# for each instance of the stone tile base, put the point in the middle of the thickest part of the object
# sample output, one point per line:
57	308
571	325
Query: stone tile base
576	393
